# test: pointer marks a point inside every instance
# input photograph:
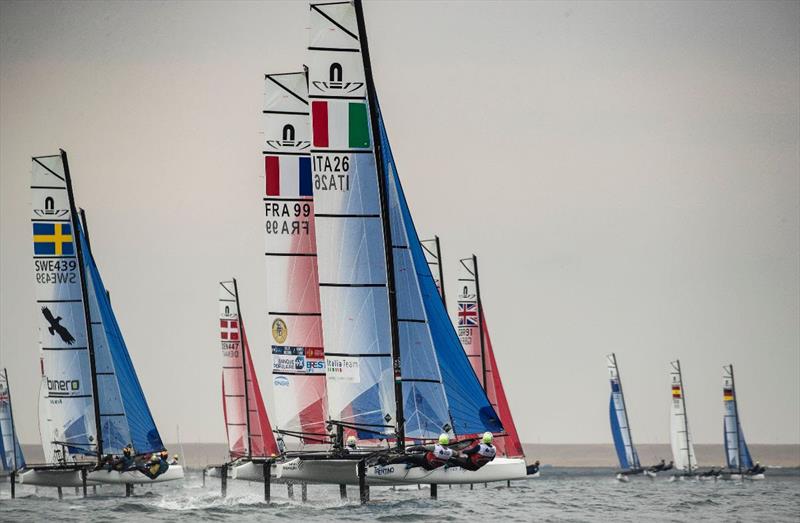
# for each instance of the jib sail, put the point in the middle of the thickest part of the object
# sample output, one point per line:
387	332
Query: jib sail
294	318
11	457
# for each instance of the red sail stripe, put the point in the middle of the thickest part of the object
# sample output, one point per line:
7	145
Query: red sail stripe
319	118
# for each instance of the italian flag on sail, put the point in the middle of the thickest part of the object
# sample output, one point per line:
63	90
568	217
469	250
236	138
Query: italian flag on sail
340	124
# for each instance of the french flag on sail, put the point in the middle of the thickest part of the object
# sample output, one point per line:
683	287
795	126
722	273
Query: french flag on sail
288	176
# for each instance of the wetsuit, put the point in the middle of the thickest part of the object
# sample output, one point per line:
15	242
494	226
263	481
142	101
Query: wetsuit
659	467
477	456
124	463
429	460
154	469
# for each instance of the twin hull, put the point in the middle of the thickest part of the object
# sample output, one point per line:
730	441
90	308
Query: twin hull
343	472
72	478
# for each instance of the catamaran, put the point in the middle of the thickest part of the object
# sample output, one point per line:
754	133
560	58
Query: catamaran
251	445
683	455
91	403
474	335
620	428
11	458
395	369
737	455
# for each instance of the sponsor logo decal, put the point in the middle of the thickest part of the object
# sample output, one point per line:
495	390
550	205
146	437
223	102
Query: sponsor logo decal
280	381
279	330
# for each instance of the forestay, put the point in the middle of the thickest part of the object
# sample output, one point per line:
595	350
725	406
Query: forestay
680	439
67	412
737	455
11	457
618	414
298	363
348	217
247	425
474	335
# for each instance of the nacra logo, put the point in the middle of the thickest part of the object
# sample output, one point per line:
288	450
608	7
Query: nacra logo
63	385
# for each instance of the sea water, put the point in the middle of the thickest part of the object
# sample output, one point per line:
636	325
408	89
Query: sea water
558	495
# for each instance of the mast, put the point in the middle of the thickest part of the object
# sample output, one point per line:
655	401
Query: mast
441	270
685	416
11	415
85	296
624	408
244	371
387	230
480	320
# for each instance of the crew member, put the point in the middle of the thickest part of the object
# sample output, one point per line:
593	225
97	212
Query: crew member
352	443
157	466
431	459
658	467
126	461
478	455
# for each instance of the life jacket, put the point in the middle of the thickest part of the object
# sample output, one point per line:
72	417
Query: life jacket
439	456
485	454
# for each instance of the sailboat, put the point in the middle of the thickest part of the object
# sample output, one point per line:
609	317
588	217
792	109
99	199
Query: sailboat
11	458
395	370
474	335
737	456
293	315
683	454
91	402
251	444
620	428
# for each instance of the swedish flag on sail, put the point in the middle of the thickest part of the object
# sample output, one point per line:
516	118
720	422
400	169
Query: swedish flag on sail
53	239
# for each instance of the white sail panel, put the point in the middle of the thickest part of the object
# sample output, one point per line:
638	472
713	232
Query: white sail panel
680	439
294	317
350	241
60	317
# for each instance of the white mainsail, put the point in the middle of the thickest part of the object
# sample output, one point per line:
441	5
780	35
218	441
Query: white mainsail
294	318
680	438
68	421
351	252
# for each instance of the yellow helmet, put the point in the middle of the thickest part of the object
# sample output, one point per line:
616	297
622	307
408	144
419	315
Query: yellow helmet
487	438
444	439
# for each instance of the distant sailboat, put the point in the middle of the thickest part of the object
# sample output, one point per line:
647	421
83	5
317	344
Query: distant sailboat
620	428
250	439
737	455
91	402
11	458
683	454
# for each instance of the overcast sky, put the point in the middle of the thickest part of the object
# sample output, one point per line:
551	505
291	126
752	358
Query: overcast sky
627	173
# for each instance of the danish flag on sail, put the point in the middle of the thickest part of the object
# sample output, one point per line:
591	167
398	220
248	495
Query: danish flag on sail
229	330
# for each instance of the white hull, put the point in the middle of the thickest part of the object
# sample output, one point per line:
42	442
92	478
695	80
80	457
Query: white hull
174	472
343	472
51	478
249	471
499	469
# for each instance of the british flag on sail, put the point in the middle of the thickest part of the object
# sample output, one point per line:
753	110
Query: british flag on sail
467	314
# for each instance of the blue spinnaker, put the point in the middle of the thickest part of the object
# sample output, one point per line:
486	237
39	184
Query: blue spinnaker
469	409
141	427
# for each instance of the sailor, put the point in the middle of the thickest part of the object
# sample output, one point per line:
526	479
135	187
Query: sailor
658	467
478	455
107	462
668	466
352	444
533	469
756	469
126	461
157	466
174	460
429	460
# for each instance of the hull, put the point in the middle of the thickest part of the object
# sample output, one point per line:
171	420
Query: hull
51	478
250	471
500	469
333	471
174	472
